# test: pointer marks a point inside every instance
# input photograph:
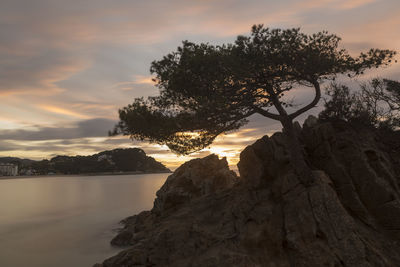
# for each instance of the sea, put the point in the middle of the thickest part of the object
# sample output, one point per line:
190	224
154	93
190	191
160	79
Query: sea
60	221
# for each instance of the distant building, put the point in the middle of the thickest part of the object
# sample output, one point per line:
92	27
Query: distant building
8	169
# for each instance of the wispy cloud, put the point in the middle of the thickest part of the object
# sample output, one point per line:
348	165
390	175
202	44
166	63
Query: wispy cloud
335	4
63	111
97	127
137	80
351	4
141	79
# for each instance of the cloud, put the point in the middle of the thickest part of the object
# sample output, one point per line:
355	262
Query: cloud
90	136
44	44
335	4
87	128
62	111
138	80
36	74
355	3
141	79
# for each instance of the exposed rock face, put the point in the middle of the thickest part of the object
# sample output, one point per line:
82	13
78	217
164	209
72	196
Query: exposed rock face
194	179
205	216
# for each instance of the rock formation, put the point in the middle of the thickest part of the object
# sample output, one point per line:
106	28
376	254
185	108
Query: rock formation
206	216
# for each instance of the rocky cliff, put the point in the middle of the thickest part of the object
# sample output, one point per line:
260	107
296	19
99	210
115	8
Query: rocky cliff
204	215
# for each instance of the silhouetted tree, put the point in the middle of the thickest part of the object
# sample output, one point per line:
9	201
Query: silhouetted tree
207	90
376	103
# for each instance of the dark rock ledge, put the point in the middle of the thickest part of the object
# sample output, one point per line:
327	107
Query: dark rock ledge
204	215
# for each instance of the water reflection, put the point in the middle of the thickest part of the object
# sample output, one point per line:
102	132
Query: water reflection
68	221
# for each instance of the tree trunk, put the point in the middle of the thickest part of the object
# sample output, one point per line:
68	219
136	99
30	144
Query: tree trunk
298	161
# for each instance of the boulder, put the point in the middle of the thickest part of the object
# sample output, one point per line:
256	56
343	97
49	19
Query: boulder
194	179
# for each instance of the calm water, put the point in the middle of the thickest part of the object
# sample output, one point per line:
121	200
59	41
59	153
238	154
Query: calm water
68	221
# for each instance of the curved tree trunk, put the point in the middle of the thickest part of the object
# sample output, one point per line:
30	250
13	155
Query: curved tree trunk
298	161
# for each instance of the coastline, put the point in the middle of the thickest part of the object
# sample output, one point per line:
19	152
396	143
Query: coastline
81	174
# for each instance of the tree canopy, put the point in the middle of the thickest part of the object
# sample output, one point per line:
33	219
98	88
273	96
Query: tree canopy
376	103
206	90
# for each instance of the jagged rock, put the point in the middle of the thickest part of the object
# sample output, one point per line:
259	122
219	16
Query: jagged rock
196	178
193	179
205	216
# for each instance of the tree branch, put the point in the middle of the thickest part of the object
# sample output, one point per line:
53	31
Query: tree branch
267	113
312	104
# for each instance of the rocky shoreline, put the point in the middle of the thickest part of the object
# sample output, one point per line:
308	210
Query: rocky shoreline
205	215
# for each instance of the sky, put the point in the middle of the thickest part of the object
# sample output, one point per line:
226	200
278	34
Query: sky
66	67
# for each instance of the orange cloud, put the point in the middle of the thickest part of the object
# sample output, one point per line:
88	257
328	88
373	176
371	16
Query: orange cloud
335	4
125	86
63	111
140	79
137	80
350	4
41	79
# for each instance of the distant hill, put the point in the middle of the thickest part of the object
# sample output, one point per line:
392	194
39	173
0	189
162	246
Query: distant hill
17	161
117	160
